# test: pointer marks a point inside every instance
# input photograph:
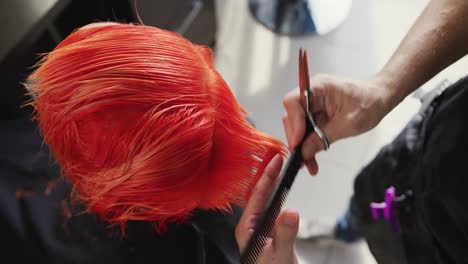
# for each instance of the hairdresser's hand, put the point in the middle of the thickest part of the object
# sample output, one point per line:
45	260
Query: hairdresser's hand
341	107
280	246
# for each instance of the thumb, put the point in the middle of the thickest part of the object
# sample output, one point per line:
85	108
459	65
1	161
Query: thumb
313	143
284	237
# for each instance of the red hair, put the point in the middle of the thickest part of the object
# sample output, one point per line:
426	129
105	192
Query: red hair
144	126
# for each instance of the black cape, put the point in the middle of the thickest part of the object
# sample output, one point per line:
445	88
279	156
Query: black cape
430	159
38	225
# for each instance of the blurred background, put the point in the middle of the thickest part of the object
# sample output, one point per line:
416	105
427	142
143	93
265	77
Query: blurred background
259	62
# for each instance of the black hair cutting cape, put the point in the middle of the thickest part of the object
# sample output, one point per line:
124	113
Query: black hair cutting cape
429	159
39	225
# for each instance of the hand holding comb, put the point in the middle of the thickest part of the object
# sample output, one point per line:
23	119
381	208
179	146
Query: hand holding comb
274	205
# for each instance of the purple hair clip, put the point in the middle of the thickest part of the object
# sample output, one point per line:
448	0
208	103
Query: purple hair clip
387	209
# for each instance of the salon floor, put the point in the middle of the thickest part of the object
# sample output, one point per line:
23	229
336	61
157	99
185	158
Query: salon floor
261	67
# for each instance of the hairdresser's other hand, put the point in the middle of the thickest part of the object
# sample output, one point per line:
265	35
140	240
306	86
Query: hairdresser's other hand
280	247
342	108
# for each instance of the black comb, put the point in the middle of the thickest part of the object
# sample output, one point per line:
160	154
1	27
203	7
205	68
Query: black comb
274	205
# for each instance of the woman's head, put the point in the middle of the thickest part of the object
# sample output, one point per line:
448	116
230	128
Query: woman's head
144	126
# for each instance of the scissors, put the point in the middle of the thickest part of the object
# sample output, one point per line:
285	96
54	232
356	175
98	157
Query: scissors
306	95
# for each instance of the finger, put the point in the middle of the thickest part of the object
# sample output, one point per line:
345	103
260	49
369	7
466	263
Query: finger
296	116
286	228
312	166
311	146
264	186
314	143
258	199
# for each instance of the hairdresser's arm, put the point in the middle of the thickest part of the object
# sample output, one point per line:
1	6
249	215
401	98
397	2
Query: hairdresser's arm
437	39
280	247
346	108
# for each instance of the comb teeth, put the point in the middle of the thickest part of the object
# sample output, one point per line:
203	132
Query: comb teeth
273	207
260	238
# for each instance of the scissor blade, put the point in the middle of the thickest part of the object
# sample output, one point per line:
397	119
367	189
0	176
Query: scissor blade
306	74
302	79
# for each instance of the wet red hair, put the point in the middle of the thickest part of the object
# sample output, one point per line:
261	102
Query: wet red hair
144	126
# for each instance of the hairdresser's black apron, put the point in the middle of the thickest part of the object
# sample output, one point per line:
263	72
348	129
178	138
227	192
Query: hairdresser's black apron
37	227
430	159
